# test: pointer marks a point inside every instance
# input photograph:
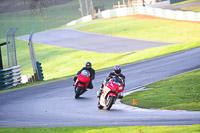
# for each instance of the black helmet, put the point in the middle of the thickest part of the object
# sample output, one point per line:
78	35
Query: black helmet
88	65
117	69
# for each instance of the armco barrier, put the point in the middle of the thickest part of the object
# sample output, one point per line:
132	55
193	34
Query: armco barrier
158	12
10	77
80	20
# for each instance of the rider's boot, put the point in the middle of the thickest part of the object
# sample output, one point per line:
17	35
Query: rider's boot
120	95
75	78
100	91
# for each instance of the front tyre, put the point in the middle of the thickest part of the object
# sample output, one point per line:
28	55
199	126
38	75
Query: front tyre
110	102
78	92
99	105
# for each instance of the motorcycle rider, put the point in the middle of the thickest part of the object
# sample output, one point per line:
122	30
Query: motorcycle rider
116	72
88	67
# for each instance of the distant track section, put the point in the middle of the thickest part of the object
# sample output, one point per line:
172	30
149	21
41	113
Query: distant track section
74	39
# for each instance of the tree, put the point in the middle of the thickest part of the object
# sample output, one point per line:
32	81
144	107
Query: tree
40	4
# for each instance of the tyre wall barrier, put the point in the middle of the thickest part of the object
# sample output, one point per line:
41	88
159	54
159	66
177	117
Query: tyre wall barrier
10	77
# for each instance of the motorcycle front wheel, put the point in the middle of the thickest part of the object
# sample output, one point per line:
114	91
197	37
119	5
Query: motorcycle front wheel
78	92
99	105
110	102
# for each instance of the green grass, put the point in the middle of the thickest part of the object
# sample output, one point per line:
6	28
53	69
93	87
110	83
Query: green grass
184	2
49	18
179	96
181	92
192	8
148	29
195	8
131	129
61	62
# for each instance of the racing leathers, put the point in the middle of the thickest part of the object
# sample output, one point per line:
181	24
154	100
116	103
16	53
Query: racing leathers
112	74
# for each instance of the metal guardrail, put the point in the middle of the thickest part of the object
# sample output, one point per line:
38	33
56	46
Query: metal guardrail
10	77
37	68
11	47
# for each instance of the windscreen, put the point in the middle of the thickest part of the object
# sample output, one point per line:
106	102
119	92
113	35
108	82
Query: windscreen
85	73
117	81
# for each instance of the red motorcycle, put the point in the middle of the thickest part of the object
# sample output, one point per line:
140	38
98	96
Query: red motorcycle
81	83
111	91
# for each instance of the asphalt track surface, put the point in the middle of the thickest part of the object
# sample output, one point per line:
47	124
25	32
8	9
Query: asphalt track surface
53	104
70	38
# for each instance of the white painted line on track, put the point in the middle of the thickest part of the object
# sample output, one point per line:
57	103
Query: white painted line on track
119	105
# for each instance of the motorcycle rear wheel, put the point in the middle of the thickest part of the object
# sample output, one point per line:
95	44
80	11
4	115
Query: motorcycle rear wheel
110	102
78	92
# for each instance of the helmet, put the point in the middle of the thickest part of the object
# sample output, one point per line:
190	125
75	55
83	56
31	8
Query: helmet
88	65
117	69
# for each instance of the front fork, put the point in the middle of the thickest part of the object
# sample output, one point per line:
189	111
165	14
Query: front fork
100	91
98	94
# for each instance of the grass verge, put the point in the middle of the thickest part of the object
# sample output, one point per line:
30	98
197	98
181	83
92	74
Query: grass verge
181	92
192	8
147	28
187	5
185	2
131	129
59	63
